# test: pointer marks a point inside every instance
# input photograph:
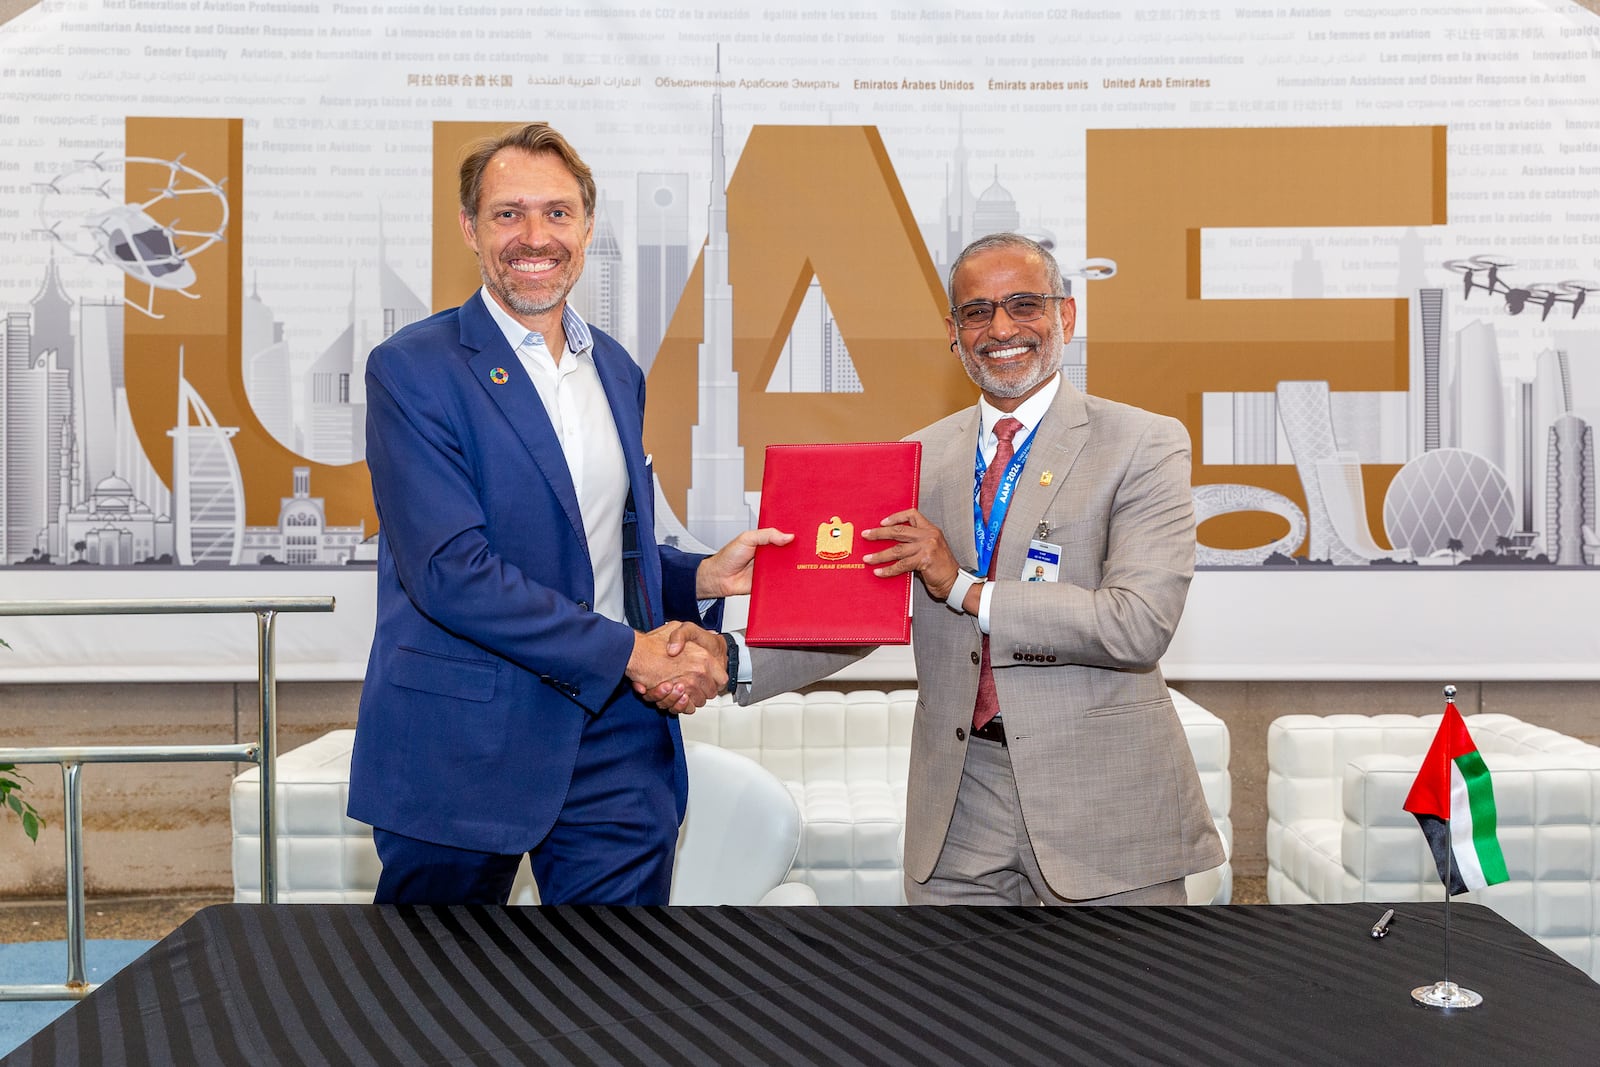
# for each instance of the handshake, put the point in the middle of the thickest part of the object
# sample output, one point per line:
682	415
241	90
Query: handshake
679	666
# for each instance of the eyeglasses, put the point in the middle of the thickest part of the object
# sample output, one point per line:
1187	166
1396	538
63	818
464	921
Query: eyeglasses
1022	307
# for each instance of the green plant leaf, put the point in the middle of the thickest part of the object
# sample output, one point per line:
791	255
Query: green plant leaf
14	803
7	785
30	825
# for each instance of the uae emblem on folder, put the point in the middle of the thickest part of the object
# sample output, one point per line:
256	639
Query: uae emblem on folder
835	539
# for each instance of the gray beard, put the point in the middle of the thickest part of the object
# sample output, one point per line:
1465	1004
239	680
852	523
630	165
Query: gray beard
1053	345
525	306
522	305
1009	389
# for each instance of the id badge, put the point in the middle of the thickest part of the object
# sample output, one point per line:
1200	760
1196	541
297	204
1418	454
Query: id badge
1043	562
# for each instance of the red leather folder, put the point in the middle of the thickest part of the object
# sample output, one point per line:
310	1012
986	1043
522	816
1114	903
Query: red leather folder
815	590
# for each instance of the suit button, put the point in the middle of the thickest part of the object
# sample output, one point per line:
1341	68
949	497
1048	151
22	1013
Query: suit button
961	735
583	605
975	657
1049	659
1016	655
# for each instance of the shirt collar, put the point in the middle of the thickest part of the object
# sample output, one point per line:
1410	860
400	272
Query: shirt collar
1029	412
579	339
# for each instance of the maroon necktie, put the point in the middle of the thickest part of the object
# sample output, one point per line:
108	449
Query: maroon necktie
988	704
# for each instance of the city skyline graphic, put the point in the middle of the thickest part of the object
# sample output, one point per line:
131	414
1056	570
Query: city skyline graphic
1492	466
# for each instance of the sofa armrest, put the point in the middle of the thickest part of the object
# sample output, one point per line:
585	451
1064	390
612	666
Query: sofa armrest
790	894
1307	756
1381	844
1211	747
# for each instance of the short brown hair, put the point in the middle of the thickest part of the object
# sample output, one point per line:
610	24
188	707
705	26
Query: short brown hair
535	137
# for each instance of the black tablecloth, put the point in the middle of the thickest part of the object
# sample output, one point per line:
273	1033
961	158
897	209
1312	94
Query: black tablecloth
291	984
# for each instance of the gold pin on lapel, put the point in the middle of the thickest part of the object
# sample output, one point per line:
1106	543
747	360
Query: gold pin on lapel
1046	478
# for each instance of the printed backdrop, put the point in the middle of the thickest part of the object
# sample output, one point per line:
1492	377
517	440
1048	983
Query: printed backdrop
1354	247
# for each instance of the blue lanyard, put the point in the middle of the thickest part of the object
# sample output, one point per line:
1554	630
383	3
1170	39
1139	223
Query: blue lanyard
985	537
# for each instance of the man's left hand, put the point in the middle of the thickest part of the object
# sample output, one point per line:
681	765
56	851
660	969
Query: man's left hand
727	573
919	546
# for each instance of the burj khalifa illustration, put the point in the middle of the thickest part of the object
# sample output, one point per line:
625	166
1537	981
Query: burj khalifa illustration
717	510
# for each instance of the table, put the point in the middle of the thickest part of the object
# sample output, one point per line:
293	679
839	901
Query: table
1302	984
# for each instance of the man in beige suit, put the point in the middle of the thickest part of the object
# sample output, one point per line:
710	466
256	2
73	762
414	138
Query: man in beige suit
1080	787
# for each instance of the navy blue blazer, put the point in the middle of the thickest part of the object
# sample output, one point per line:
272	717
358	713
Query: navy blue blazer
487	659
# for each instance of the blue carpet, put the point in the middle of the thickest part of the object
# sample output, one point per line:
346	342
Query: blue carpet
42	962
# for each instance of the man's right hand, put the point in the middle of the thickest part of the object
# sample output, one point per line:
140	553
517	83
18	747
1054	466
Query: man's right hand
678	667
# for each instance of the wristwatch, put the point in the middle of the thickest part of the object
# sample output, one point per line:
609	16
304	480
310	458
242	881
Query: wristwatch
733	662
957	596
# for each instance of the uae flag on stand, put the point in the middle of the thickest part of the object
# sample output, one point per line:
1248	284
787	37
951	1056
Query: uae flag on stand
1454	801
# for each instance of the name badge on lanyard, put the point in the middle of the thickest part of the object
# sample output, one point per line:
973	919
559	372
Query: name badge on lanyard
1043	562
986	535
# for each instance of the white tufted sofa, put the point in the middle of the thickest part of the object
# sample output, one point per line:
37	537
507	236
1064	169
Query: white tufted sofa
737	844
324	856
1337	831
842	756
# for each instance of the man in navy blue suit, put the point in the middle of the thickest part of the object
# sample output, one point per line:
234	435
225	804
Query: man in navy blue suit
521	592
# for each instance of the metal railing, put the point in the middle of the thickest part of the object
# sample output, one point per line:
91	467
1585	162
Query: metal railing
262	752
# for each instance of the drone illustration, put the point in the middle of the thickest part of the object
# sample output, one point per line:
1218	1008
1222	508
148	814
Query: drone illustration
1483	272
156	252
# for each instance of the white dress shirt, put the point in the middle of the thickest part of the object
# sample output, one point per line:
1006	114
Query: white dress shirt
1029	413
576	404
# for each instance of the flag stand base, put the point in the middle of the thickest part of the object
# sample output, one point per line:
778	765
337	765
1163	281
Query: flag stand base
1445	995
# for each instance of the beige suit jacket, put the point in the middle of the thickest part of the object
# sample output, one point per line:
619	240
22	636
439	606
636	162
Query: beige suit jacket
1110	795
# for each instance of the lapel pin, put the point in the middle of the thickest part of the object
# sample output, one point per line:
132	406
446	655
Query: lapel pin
1046	478
499	376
